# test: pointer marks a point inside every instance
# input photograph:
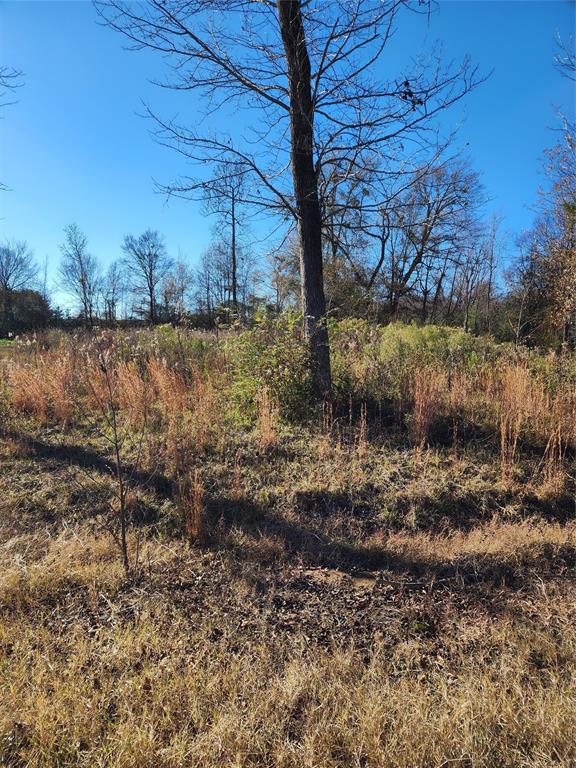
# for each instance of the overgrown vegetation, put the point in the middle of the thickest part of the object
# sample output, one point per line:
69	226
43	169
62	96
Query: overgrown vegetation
386	580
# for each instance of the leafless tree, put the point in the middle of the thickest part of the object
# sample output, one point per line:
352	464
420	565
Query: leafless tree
148	263
17	267
469	277
423	236
176	289
214	278
565	59
311	72
113	291
492	261
124	438
543	280
283	269
204	289
10	80
17	272
222	195
79	272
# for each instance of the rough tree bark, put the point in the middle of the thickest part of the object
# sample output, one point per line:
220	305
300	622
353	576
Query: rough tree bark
234	259
306	192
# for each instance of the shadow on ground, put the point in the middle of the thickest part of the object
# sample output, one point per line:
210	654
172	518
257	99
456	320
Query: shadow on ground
308	538
314	548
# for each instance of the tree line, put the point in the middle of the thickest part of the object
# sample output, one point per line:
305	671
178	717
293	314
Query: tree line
435	259
145	285
378	215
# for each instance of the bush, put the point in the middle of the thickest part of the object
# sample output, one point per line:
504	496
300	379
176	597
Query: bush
271	355
376	362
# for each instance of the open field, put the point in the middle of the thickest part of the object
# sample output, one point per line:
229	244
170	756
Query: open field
6	348
386	581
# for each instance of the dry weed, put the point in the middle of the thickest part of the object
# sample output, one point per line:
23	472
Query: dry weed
428	386
44	389
191	500
267	420
515	405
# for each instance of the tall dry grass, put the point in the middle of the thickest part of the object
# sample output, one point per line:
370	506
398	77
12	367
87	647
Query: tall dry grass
44	389
191	410
133	393
528	411
515	405
267	419
191	502
428	386
207	412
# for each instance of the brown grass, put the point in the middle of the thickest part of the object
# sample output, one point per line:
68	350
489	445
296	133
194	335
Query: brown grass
191	500
164	688
267	421
354	598
428	386
44	390
133	394
206	419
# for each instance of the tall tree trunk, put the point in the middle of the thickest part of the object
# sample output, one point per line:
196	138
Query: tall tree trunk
425	294
437	294
306	192
466	323
6	311
424	307
152	302
234	260
489	290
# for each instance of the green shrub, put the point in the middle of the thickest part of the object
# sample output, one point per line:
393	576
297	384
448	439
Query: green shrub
374	362
272	354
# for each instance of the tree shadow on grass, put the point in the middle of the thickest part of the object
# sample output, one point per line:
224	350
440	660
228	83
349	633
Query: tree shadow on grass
91	461
305	539
309	545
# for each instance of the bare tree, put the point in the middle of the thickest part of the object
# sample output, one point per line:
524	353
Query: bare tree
312	72
222	195
565	59
423	236
10	80
176	289
17	267
79	272
214	278
204	288
492	253
113	291
17	272
147	260
544	278
123	433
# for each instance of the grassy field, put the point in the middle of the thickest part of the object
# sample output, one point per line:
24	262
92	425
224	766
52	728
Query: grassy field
384	581
6	348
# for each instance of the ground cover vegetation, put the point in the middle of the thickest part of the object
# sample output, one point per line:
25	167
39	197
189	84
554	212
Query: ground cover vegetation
309	506
202	566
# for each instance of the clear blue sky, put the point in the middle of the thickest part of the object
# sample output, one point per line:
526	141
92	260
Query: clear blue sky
73	149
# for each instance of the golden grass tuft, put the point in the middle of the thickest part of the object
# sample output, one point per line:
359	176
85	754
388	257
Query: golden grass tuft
267	420
428	386
191	501
133	394
45	389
